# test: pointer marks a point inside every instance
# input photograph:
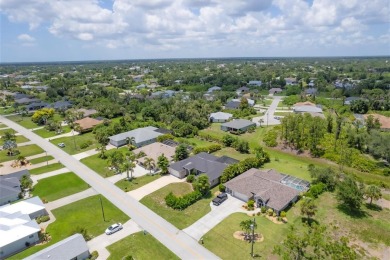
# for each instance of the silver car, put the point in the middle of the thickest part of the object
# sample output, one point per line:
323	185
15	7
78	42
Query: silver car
113	228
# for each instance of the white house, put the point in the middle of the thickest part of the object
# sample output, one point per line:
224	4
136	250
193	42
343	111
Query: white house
220	117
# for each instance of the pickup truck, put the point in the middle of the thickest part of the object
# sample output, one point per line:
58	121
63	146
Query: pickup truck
219	199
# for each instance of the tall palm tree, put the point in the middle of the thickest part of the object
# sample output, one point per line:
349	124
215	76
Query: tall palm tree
128	166
130	142
149	164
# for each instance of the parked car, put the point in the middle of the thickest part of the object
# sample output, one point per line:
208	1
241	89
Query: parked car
220	199
113	228
62	145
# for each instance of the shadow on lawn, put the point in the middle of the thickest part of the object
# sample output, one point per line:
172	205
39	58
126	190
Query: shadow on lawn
358	214
373	207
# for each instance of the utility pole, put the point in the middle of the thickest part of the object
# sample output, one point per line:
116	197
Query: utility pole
47	159
253	235
101	204
74	139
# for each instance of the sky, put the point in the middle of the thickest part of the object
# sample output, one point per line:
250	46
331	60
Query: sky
76	30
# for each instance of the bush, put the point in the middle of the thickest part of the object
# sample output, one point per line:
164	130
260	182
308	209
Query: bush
190	178
316	190
258	213
283	214
228	140
183	202
251	204
270	138
43	218
94	255
270	212
208	149
165	137
234	170
221	187
84	145
263	209
241	146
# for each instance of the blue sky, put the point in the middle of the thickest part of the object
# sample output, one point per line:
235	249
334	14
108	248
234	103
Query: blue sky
47	30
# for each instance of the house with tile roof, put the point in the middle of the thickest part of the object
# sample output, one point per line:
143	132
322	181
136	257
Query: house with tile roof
142	136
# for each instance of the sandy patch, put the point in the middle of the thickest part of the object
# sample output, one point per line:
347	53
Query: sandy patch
240	236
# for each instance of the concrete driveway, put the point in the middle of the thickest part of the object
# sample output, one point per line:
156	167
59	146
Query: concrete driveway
268	117
214	217
100	243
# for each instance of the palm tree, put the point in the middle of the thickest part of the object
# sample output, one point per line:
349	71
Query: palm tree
130	142
128	166
261	121
149	164
102	150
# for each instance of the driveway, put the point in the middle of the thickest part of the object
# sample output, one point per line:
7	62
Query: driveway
181	244
100	243
214	217
268	117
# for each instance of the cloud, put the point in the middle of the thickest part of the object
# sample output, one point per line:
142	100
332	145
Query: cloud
26	38
182	24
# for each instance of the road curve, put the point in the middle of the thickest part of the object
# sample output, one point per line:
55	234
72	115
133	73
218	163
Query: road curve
176	240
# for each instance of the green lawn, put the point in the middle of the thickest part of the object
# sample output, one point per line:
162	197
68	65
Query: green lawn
23	121
282	113
136	183
45	169
84	213
197	142
25	151
99	165
6	110
41	159
181	219
19	139
7	130
75	141
140	246
46	134
59	186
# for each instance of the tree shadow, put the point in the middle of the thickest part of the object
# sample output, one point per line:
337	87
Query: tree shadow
373	207
309	221
357	213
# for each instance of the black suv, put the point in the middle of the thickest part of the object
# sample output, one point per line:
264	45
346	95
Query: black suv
219	199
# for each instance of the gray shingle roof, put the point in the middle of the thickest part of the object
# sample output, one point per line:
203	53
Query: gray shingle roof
65	249
238	123
139	134
221	116
312	109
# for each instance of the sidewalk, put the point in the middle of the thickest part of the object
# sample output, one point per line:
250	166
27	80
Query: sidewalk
145	190
91	152
63	135
36	178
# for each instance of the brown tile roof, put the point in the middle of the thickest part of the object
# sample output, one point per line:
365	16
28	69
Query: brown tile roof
306	103
88	123
154	150
384	120
264	184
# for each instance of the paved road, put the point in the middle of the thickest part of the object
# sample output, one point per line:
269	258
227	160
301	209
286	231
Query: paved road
176	240
269	115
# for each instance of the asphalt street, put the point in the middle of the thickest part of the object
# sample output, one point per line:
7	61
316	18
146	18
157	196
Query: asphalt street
176	240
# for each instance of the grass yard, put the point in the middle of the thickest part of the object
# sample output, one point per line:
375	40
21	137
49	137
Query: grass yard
136	183
46	168
7	110
19	139
197	142
84	213
41	159
25	151
23	121
46	134
140	246
181	219
282	113
70	143
59	186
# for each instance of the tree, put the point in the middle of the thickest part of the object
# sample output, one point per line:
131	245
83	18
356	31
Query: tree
308	208
10	146
373	193
25	182
326	176
350	194
246	226
128	166
372	123
102	149
116	159
181	152
163	163
149	164
42	115
202	184
130	142
8	136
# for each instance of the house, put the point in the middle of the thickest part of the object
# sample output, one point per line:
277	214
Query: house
235	103
202	163
256	83
87	112
313	110
18	228
73	247
209	96
137	78
273	91
237	125
290	81
350	100
60	105
311	84
26	100
87	123
36	105
142	136
215	88
163	94
10	186
251	102
242	90
267	188
220	117
311	91
39	88
155	150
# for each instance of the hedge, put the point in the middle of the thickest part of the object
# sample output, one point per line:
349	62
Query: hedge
208	149
234	170
183	202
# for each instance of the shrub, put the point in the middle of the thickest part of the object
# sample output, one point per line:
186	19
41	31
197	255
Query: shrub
270	138
228	140
84	145
94	255
234	170
270	212
274	214
258	213
165	137
251	204
386	172
208	149
316	190
221	187
42	218
263	209
83	231
183	202
190	178
283	214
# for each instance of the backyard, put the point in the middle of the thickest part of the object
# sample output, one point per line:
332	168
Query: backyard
140	246
181	219
85	213
59	186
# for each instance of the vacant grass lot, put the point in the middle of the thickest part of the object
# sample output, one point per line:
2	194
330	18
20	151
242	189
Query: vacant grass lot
6	110
45	169
136	183
140	246
46	134
59	186
25	151
197	142
181	219
84	213
72	143
19	139
99	165
41	159
23	121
